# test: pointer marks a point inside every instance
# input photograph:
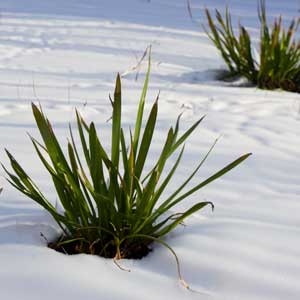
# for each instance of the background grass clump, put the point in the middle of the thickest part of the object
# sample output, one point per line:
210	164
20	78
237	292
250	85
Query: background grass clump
111	206
278	64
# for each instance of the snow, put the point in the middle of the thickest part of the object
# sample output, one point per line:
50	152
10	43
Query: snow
66	54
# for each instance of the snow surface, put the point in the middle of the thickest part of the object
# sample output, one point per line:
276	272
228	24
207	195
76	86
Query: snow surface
66	54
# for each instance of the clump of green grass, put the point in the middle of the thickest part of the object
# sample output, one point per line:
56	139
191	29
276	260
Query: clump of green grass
112	207
279	56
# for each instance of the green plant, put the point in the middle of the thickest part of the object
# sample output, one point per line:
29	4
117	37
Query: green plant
112	207
279	58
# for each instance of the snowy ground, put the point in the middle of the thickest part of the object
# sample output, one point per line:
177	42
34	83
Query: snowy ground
66	54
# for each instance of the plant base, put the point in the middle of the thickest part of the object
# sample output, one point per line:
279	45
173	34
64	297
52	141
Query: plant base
127	250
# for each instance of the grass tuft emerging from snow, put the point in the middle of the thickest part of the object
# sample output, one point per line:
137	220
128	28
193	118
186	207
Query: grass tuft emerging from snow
112	209
278	65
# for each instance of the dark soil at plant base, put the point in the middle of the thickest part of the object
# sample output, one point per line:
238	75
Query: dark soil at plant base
129	251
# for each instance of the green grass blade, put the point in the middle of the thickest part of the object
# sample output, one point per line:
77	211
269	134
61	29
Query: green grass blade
146	141
183	138
116	124
140	111
183	216
210	179
80	122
